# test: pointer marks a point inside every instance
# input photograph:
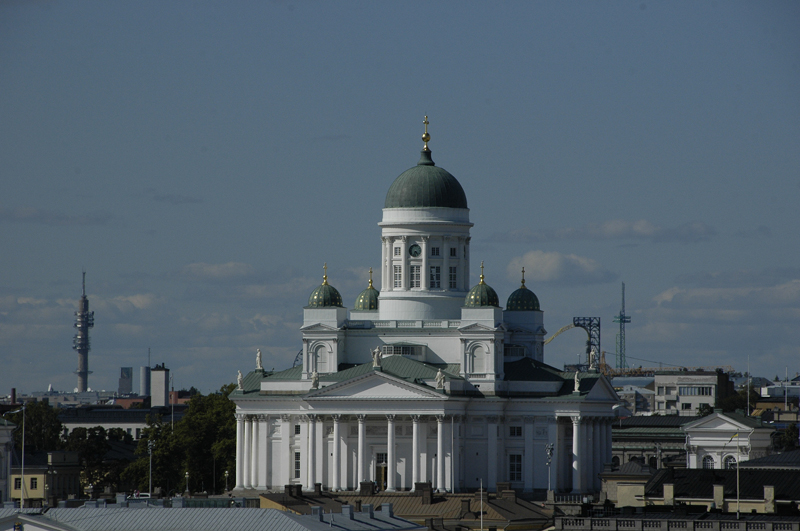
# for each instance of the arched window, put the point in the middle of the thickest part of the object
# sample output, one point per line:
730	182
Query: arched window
730	462
708	462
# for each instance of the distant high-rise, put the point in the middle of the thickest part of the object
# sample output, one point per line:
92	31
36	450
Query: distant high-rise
144	381
159	396
84	320
125	380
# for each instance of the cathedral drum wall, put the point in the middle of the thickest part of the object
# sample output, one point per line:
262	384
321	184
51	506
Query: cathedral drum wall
419	308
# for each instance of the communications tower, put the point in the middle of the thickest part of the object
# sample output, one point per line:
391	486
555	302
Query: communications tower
84	320
622	318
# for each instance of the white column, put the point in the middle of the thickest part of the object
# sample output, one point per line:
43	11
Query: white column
263	452
425	274
254	457
362	450
446	265
406	274
248	452
491	446
321	450
336	482
387	278
311	455
528	456
577	486
239	451
440	453
465	275
287	459
414	451
391	465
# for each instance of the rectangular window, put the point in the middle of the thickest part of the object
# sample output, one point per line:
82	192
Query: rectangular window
453	252
297	465
398	276
128	431
436	277
138	433
661	390
434	251
515	467
17	483
515	431
415	276
397	251
297	429
403	350
453	277
686	406
34	483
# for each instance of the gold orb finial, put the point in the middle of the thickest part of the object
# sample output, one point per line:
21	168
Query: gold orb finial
523	277
425	136
370	277
325	274
482	282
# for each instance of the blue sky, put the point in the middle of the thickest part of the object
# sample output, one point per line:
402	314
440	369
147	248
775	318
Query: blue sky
202	160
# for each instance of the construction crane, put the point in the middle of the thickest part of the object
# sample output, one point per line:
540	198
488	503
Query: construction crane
622	318
591	325
610	372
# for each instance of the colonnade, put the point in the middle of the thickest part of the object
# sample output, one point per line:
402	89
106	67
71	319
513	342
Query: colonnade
460	261
253	442
591	442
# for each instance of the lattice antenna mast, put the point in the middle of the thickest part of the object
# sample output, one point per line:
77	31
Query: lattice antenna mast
622	318
84	320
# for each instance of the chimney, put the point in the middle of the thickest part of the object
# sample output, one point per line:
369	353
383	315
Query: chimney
464	507
288	490
317	489
387	509
719	497
427	495
669	494
509	494
369	509
13	395
347	511
769	499
317	511
358	506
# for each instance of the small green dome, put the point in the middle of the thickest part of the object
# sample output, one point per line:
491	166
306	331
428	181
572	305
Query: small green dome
523	299
367	299
482	295
425	185
325	296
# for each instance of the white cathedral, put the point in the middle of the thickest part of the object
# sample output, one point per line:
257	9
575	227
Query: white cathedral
428	380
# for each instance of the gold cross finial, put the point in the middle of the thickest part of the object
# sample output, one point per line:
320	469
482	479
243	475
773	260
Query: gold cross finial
523	277
425	136
325	274
370	277
482	282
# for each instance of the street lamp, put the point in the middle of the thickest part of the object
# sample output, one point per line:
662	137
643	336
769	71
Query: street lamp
150	451
226	481
549	451
187	481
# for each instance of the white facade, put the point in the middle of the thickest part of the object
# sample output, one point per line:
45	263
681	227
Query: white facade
458	395
721	440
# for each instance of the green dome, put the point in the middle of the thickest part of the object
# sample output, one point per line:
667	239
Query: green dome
367	299
522	300
325	296
425	185
482	295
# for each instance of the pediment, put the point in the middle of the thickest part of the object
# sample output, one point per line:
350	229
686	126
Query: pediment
477	327
714	422
602	390
318	327
375	386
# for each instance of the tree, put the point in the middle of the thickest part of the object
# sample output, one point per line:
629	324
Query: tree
704	410
789	437
92	446
203	443
42	427
739	401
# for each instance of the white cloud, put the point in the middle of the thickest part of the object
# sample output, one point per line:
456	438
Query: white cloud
614	229
569	269
215	272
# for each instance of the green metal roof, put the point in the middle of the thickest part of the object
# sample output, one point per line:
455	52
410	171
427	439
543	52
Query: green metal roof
481	295
425	185
325	296
530	370
522	300
367	299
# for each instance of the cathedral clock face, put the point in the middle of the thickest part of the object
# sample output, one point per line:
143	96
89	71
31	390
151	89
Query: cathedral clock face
414	250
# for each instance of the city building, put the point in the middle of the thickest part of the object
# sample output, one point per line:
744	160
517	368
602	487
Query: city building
48	476
656	441
428	379
132	421
721	440
6	452
683	392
